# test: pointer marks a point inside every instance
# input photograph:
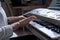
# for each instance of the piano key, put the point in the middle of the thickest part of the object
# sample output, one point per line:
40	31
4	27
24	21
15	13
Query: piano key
45	30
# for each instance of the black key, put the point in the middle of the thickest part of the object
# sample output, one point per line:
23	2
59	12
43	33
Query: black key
50	27
55	30
58	31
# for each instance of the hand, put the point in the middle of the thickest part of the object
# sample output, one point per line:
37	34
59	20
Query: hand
21	17
15	19
32	18
23	22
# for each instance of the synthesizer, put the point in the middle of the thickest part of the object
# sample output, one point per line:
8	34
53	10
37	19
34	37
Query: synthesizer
48	22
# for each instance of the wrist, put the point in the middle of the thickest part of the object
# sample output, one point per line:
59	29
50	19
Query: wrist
15	26
12	19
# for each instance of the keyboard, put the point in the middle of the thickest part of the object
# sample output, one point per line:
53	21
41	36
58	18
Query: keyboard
51	30
48	25
48	21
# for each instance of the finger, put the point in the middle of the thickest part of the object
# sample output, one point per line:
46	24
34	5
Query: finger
33	18
21	16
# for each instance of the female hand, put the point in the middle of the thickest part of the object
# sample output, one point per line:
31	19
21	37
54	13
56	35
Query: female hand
23	22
